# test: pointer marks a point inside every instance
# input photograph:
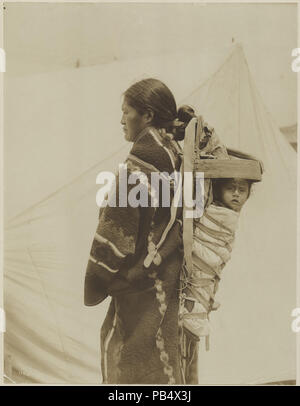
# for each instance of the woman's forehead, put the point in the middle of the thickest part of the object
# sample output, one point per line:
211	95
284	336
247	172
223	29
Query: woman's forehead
125	105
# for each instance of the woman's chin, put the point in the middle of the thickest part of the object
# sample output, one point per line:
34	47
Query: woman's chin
128	137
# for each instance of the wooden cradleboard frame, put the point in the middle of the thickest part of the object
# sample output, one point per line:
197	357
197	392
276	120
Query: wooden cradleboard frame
229	168
239	165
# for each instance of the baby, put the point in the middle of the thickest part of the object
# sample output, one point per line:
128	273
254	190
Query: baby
213	239
213	233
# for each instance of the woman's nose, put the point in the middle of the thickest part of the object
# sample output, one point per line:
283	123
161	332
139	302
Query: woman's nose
122	120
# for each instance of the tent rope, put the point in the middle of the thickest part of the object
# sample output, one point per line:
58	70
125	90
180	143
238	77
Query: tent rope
30	208
50	306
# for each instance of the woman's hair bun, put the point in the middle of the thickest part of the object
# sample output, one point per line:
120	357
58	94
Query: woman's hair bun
184	115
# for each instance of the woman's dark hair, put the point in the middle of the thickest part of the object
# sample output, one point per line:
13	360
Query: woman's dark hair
153	95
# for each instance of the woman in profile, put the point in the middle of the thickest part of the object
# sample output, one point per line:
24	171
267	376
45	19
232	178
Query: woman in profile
141	334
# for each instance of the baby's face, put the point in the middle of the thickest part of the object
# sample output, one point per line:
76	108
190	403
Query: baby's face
234	193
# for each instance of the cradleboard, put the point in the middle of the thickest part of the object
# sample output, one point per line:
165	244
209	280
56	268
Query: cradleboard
239	165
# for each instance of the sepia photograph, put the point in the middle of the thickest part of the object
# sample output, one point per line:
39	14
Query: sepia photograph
149	193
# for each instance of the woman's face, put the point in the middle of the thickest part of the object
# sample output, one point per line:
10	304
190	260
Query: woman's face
133	122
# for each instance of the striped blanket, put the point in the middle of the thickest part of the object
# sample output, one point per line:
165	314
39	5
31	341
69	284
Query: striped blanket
140	337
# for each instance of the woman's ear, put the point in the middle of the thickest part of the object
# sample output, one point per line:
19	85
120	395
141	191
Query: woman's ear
148	117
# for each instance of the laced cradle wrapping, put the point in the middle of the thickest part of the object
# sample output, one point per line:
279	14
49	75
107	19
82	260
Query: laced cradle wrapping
208	241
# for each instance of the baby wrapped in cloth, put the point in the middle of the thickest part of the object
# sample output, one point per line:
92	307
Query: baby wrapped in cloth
213	238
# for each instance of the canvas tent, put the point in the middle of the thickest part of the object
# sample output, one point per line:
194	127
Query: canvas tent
52	338
290	133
